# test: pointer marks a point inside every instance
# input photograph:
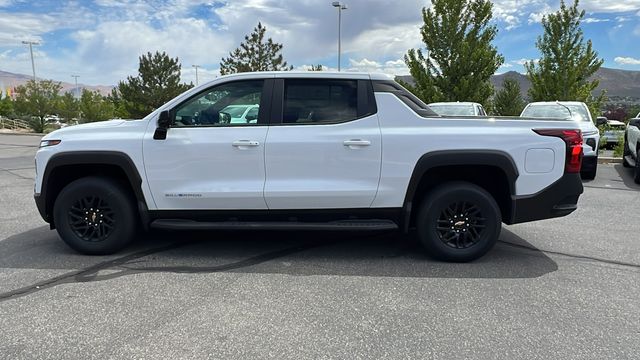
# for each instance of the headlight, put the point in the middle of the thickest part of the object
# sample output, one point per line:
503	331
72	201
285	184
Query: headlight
45	143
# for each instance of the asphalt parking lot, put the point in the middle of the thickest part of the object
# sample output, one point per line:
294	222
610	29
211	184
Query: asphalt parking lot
565	288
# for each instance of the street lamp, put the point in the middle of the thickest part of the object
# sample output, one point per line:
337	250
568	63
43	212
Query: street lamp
77	90
196	67
33	66
340	6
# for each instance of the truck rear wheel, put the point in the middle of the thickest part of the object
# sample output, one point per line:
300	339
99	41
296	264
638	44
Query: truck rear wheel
458	222
95	216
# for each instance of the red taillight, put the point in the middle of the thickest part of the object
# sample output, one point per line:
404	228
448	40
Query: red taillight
573	139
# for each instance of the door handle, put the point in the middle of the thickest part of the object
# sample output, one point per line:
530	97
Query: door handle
356	142
242	143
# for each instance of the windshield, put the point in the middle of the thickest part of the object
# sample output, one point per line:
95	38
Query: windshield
453	109
559	111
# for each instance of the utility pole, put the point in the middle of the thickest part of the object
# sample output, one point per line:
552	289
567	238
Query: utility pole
196	67
340	6
77	90
33	66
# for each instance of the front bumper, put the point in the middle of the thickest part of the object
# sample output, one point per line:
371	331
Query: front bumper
557	200
589	163
42	207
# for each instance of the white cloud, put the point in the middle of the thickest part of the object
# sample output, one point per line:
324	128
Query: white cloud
506	65
591	20
391	67
627	60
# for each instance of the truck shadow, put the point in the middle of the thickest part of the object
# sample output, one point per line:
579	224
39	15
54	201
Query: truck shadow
290	253
626	175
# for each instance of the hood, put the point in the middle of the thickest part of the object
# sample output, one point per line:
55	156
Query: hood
615	123
87	127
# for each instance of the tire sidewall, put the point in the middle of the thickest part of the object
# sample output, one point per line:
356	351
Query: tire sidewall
444	196
112	193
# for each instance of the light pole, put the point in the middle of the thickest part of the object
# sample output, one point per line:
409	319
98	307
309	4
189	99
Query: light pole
33	66
340	6
196	67
77	90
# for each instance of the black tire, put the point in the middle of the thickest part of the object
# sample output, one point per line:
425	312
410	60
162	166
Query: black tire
625	153
472	214
109	223
590	174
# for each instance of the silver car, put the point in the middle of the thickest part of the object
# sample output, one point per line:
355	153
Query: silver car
614	131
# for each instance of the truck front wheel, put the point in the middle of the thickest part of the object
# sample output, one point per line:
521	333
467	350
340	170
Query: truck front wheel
458	222
95	216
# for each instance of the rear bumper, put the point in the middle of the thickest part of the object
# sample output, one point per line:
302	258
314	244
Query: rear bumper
559	199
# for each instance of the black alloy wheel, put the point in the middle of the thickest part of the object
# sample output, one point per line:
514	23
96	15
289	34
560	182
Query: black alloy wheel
96	215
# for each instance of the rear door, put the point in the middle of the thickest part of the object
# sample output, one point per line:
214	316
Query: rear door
324	145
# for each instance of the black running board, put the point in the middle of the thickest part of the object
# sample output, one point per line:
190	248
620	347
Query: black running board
346	225
630	160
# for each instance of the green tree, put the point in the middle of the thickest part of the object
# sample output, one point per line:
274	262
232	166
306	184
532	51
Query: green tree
316	68
158	81
68	107
119	108
255	54
6	107
508	101
95	107
460	58
567	62
37	100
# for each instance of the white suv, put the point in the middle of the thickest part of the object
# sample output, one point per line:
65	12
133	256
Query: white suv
579	113
328	151
458	109
631	156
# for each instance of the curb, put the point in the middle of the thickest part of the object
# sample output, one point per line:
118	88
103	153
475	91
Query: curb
21	133
609	160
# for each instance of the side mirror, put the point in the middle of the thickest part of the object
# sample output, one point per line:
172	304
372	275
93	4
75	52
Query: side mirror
164	122
251	117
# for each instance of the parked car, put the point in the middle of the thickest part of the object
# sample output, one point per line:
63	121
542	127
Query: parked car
577	112
614	130
630	157
242	114
458	109
313	160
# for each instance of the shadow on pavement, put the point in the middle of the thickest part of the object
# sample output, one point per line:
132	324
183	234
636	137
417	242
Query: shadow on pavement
626	175
290	253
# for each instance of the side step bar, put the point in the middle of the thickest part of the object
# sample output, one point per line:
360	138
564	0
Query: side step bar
346	225
630	160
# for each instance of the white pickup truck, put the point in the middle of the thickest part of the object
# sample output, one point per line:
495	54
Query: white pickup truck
328	151
631	154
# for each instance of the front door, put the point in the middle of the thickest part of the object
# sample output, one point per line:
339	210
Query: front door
325	149
213	155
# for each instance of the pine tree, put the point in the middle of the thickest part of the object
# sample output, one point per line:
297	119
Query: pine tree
567	62
508	101
316	68
95	107
68	107
254	54
158	81
460	58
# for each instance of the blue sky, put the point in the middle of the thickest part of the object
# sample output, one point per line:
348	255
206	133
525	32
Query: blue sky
101	40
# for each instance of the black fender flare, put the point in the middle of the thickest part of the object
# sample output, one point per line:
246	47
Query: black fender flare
435	159
115	158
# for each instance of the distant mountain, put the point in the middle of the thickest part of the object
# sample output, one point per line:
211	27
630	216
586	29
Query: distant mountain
8	79
617	83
